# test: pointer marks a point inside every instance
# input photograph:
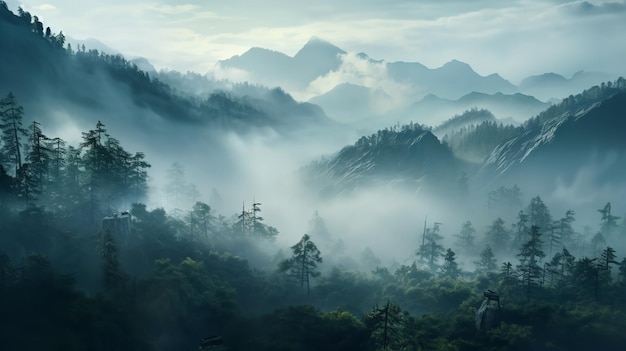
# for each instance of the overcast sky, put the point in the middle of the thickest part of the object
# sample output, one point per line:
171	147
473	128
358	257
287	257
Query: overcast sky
515	38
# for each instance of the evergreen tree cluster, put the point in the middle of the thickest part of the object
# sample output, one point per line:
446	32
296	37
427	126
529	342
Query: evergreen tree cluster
99	173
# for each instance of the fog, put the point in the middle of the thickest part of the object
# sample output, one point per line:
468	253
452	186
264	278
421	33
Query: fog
264	165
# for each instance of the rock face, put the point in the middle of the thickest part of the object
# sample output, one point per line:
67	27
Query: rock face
565	142
488	315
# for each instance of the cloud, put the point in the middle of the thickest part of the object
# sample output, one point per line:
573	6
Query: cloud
174	9
387	93
515	38
45	7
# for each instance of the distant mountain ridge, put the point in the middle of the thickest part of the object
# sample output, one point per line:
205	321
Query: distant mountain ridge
551	85
317	57
44	74
517	106
583	136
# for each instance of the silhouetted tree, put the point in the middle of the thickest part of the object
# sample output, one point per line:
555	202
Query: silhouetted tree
138	175
521	230
430	251
487	262
539	214
384	325
498	236
530	254
302	266
608	221
465	239
12	131
39	157
450	267
201	220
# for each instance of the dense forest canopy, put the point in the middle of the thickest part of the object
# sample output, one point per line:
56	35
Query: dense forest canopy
85	263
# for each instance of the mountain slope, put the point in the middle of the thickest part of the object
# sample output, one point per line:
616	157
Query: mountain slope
408	156
49	80
581	137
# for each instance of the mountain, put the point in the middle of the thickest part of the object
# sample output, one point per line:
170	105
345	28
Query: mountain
468	118
433	109
409	156
143	64
317	57
92	44
578	143
50	82
450	81
474	134
554	86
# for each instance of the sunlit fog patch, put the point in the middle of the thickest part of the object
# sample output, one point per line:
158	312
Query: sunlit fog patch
218	72
362	71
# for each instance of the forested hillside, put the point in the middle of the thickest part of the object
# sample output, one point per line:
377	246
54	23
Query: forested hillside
44	70
152	280
86	263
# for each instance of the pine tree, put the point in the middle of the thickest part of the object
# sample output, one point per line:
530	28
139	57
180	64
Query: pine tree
93	162
384	325
586	277
302	266
608	221
450	267
539	214
201	220
243	224
507	282
607	258
521	230
567	233
138	176
430	251
497	236
12	132
530	254
554	236
487	262
57	161
39	157
465	239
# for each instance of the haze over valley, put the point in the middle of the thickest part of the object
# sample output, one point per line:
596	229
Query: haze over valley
316	182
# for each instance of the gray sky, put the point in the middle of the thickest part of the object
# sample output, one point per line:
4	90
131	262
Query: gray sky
515	38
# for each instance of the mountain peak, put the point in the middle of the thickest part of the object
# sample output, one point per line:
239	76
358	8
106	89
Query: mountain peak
316	45
457	65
